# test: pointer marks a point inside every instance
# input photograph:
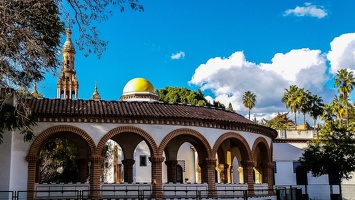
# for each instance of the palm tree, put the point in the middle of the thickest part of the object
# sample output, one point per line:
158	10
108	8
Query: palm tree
249	100
338	108
316	107
327	114
345	82
304	102
291	100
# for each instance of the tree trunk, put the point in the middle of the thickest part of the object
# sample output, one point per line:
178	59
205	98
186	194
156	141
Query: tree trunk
249	114
304	121
295	121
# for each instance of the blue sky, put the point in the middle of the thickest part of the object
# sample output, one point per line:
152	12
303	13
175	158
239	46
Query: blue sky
223	47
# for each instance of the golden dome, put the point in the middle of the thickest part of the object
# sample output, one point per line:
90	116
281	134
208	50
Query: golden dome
138	85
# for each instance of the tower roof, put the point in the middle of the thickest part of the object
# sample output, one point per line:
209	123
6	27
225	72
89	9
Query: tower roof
68	44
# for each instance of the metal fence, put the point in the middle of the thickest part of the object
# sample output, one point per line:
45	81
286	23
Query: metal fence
132	194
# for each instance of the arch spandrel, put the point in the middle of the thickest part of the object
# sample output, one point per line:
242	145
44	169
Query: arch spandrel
243	144
200	139
128	129
46	134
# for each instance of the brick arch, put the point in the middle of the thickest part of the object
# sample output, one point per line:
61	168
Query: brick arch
184	131
36	145
237	136
38	142
262	141
130	129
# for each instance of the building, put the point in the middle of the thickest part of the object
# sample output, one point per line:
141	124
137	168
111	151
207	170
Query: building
159	147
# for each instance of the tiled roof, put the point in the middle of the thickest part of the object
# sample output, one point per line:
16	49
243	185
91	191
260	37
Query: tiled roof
124	110
90	108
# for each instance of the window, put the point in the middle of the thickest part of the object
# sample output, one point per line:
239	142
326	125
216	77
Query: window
142	161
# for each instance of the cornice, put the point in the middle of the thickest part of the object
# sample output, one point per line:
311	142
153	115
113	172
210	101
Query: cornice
234	126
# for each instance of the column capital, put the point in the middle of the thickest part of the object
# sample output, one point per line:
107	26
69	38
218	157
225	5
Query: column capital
247	163
171	162
156	159
127	162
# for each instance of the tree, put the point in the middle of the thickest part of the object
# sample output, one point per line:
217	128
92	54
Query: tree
304	104
333	153
328	115
291	100
29	41
58	162
15	116
249	100
345	82
338	108
185	96
230	107
280	122
30	33
316	107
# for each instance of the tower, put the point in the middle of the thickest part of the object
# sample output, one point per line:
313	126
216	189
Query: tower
96	96
67	86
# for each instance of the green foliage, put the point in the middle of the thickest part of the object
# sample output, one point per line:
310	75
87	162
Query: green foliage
230	107
58	164
29	41
280	122
345	82
316	107
332	153
15	117
249	100
291	100
185	96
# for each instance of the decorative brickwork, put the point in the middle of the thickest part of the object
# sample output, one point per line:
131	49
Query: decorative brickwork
262	143
249	175
36	145
157	184
128	129
95	173
266	156
241	141
204	145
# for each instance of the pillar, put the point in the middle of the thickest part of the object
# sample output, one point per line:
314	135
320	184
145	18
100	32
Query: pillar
95	173
32	162
157	176
268	170
208	169
171	168
248	172
128	170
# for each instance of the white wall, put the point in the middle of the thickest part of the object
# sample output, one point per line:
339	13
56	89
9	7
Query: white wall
5	155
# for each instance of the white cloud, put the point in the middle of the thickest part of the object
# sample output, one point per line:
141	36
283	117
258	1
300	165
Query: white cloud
229	78
302	66
342	53
178	55
307	10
